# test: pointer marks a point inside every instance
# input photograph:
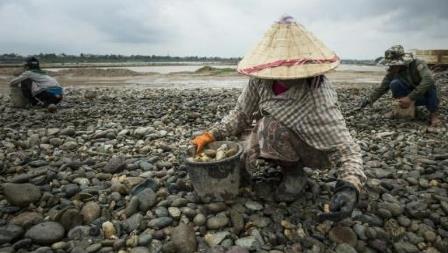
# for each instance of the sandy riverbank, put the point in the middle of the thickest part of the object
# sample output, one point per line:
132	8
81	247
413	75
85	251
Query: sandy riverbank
347	76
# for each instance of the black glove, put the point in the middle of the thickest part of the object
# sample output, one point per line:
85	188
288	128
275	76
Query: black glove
342	203
364	103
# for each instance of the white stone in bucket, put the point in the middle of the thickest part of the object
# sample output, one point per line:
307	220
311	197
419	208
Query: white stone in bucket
16	97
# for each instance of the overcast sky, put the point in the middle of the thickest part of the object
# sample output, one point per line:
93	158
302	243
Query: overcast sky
358	29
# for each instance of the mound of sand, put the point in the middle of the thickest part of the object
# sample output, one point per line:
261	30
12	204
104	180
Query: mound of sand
10	71
208	70
112	72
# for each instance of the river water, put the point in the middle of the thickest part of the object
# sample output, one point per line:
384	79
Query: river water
191	68
160	69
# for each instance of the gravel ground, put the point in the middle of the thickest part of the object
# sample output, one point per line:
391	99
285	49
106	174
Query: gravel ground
69	181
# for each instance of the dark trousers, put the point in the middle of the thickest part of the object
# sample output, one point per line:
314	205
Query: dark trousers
45	97
400	88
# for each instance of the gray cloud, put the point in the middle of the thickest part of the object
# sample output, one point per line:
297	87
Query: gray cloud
353	28
121	21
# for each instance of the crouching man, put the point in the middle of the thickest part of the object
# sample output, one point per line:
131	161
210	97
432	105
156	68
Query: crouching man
411	83
37	86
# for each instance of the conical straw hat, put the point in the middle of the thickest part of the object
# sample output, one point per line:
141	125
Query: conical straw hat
288	51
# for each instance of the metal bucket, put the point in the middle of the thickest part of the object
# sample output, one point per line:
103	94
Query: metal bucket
16	97
216	180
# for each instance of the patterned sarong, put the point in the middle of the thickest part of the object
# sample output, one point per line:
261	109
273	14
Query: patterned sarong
273	141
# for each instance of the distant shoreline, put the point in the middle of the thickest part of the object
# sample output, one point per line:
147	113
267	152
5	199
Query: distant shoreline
124	63
121	64
152	64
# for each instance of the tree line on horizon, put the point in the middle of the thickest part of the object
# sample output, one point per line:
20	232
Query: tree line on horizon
13	58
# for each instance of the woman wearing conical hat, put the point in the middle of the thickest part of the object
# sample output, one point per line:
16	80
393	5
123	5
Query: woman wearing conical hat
298	122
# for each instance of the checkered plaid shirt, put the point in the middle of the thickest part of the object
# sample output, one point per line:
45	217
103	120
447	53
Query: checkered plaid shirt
309	109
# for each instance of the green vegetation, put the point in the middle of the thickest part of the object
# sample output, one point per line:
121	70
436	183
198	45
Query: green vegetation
136	59
112	58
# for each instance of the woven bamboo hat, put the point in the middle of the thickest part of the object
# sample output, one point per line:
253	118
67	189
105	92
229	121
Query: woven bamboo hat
288	51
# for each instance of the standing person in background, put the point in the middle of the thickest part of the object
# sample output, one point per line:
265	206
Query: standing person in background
37	86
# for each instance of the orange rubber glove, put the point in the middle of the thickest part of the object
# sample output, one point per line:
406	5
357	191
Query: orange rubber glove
202	140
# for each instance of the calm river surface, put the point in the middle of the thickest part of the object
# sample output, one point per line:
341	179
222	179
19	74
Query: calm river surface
192	68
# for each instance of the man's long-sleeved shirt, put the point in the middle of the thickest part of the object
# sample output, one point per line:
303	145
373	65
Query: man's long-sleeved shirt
41	81
417	74
312	113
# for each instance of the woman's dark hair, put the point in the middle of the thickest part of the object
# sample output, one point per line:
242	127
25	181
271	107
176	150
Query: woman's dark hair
316	81
32	63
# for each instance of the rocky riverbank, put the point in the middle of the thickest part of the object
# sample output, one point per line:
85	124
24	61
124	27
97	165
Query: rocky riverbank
106	174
